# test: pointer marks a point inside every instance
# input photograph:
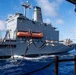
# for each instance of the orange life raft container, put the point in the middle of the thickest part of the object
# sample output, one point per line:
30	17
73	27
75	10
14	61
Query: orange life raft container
28	34
37	35
23	34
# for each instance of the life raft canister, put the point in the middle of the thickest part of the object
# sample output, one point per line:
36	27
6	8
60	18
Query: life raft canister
28	34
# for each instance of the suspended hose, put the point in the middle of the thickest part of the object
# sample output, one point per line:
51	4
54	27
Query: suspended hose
41	47
17	63
28	46
5	36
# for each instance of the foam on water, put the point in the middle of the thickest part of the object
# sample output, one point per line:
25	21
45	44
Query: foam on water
18	57
7	66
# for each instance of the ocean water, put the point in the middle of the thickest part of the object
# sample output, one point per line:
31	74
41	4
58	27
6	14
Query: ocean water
8	66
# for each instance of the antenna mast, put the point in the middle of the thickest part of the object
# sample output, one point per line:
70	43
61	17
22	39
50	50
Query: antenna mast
26	5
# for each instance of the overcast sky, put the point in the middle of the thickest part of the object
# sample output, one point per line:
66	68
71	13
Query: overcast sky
59	13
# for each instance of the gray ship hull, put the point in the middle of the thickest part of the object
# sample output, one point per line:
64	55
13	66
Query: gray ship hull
22	48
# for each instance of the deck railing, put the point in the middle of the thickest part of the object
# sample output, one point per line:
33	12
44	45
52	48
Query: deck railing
56	62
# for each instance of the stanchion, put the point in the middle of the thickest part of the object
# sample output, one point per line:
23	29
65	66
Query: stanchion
56	66
75	65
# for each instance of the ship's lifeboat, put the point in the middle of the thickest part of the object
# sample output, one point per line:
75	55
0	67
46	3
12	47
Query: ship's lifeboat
37	35
23	34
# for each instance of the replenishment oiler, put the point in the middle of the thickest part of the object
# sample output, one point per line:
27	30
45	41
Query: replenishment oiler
27	37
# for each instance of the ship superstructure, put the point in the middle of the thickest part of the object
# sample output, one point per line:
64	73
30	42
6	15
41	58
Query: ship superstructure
33	35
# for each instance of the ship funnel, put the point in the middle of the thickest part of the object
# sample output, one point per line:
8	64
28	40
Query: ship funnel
37	16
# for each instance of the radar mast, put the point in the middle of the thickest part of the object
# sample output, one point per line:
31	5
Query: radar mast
26	5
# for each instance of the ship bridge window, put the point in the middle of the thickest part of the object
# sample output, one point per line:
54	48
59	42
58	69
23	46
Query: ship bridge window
21	18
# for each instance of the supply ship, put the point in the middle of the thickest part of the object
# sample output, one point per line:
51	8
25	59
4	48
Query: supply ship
27	37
